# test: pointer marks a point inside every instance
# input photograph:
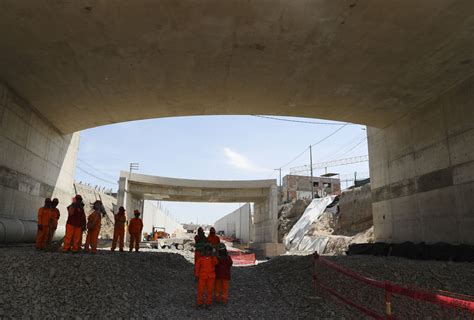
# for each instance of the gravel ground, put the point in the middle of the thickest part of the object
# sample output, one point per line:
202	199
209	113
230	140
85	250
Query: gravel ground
151	285
42	285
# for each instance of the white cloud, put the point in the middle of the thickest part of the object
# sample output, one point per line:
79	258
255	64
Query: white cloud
242	162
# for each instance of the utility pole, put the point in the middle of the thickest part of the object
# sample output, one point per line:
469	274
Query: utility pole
311	169
279	169
133	166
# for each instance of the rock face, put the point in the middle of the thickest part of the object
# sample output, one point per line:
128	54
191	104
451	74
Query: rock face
288	215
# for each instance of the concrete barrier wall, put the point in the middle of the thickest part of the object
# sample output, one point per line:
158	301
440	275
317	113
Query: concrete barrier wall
36	161
355	211
237	224
153	216
422	170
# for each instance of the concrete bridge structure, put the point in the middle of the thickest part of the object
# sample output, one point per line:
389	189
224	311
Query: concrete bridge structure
134	189
404	69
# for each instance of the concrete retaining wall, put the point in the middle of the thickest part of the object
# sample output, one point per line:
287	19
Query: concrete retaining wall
237	224
422	170
355	211
153	216
36	161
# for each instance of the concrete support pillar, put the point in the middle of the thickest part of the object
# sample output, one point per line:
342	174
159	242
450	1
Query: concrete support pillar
422	172
266	218
36	162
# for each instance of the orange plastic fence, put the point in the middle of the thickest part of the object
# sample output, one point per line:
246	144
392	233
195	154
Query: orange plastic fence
386	300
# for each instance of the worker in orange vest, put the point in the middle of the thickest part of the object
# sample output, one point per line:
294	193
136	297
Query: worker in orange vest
44	214
213	239
75	225
53	221
221	290
119	229
206	275
200	240
93	227
135	227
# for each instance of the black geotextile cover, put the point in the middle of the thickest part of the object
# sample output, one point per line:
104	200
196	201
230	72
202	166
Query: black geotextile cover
416	251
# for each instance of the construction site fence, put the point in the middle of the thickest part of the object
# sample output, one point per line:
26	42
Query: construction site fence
384	299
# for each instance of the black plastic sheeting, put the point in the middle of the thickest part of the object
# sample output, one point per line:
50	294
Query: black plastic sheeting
416	251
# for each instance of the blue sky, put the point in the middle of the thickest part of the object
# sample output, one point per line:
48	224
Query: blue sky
213	147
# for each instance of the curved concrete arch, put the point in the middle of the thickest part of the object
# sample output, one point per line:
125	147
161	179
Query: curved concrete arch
404	70
83	65
135	188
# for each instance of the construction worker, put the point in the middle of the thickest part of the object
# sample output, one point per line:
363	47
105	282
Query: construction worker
212	238
221	289
75	225
93	227
200	241
44	214
119	229
53	221
206	275
135	227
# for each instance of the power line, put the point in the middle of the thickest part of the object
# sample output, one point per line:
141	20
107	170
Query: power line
330	135
92	167
301	121
299	155
318	142
358	144
93	175
331	163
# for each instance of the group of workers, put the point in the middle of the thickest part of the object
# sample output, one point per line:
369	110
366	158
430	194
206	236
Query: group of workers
212	265
77	223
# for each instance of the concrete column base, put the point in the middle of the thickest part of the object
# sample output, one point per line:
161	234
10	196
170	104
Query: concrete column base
267	249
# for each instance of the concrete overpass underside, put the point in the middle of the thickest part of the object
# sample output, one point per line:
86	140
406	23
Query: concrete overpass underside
135	188
404	69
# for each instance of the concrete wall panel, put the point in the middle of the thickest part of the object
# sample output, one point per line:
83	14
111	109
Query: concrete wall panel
36	161
237	223
462	146
431	200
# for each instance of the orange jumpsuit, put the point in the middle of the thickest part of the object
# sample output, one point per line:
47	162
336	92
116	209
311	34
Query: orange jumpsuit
221	290
206	273
197	253
119	230
213	240
42	234
135	229
76	222
53	223
93	230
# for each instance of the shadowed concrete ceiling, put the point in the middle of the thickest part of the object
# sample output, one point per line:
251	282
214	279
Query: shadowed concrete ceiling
89	63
